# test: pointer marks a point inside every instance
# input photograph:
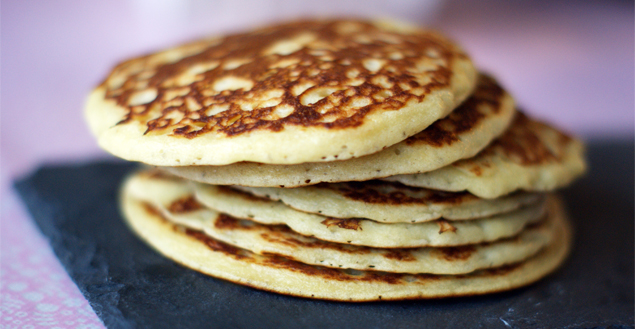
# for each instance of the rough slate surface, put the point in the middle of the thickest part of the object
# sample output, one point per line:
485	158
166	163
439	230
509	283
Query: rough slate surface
129	285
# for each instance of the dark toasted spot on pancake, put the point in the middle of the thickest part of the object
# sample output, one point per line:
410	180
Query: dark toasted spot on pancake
476	170
184	205
345	223
278	239
219	246
454	253
186	105
402	255
229	223
281	262
503	270
522	143
447	130
293	238
153	211
434	135
393	193
445	226
334	274
226	222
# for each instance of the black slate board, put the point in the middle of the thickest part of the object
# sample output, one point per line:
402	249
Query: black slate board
129	285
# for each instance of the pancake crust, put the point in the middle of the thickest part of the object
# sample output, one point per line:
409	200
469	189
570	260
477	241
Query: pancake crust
354	231
282	275
306	91
462	134
390	202
282	241
530	156
364	232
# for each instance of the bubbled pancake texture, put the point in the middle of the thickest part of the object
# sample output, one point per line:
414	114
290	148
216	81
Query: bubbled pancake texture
263	79
310	79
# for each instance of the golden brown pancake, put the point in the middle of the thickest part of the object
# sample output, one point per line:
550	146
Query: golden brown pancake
334	104
282	241
530	156
305	91
283	275
390	202
357	231
462	134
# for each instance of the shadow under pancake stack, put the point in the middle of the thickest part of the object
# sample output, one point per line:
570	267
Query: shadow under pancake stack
337	159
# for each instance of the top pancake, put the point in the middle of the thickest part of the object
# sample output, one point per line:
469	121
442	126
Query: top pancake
307	91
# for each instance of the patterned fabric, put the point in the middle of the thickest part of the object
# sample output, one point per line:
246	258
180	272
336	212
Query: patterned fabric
35	291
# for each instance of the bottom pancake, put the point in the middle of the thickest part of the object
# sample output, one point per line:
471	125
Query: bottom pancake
277	274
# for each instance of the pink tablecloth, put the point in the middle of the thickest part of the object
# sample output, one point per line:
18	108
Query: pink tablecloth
568	62
35	291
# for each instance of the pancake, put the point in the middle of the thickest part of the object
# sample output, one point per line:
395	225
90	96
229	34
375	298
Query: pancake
157	190
462	134
282	275
280	240
306	91
390	202
530	156
364	232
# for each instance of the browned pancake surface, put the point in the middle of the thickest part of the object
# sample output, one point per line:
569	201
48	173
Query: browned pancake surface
487	97
334	74
394	193
530	155
522	143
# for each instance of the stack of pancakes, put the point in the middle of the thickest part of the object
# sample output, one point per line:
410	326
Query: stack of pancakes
337	159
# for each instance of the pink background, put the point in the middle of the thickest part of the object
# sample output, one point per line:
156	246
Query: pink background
570	63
